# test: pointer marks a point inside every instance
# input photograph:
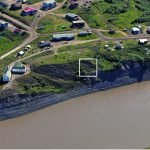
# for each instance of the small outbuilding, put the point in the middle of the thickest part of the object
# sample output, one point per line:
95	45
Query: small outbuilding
73	3
143	41
7	76
18	68
118	46
4	4
78	24
135	30
45	44
84	33
3	24
49	4
72	17
16	6
24	1
148	30
63	37
21	53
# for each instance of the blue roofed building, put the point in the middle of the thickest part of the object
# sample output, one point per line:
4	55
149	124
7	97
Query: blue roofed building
49	4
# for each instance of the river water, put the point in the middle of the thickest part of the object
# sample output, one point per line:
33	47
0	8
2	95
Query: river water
118	118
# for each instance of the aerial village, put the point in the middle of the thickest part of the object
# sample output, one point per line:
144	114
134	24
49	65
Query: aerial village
78	29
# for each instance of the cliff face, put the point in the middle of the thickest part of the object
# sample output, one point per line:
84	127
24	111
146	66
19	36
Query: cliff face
13	104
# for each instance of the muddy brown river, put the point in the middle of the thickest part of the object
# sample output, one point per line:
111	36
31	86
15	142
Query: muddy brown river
118	118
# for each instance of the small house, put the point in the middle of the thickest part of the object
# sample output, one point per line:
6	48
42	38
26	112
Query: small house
18	68
3	24
72	17
143	41
29	11
7	76
78	24
16	6
148	30
49	4
135	30
63	37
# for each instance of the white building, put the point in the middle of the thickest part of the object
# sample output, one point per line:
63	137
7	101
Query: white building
143	41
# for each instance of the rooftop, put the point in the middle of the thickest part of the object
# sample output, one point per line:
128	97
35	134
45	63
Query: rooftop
50	1
71	15
28	9
63	35
18	65
3	22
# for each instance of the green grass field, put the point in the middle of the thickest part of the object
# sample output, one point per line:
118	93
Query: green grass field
52	23
9	40
106	15
16	14
58	72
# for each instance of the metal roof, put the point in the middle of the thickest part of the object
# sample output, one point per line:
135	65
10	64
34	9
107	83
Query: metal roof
135	29
49	1
71	15
18	65
63	35
78	21
3	22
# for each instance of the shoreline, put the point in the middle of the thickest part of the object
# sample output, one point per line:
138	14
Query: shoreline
18	105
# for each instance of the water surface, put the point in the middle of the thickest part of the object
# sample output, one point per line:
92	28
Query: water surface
118	118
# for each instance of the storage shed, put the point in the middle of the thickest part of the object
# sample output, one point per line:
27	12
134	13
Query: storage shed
45	44
21	53
73	3
3	4
3	24
16	6
78	24
143	41
148	30
72	17
63	37
85	33
49	4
